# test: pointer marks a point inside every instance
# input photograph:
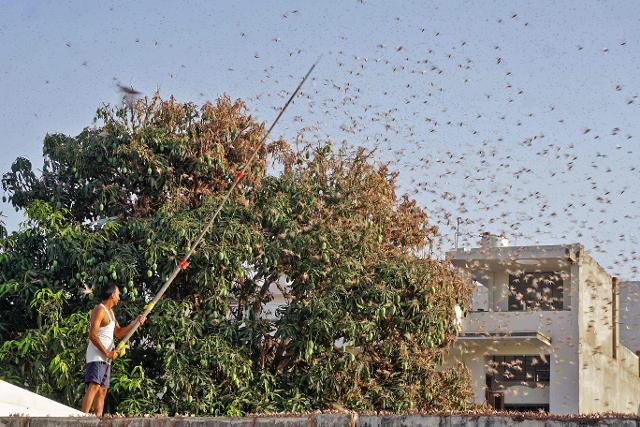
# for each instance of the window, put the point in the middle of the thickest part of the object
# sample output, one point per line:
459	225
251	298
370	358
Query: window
533	369
535	291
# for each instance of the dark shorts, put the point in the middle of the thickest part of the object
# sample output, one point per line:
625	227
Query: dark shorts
99	373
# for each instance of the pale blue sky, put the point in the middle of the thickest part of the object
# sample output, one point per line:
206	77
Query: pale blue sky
526	88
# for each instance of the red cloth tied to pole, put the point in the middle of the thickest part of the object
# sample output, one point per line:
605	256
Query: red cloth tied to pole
240	175
183	264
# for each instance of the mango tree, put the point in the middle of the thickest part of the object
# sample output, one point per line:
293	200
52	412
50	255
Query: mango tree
365	320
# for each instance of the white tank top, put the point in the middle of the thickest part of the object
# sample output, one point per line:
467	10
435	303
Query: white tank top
105	335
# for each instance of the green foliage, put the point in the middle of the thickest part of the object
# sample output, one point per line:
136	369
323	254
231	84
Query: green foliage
366	321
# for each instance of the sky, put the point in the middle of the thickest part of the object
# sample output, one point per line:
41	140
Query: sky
517	117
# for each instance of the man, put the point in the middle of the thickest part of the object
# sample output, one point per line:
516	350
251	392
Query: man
102	328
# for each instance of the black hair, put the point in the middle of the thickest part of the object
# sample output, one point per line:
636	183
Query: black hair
107	291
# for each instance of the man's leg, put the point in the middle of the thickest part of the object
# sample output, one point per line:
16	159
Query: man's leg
98	403
89	396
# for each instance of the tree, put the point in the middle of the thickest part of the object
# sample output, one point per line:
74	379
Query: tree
367	319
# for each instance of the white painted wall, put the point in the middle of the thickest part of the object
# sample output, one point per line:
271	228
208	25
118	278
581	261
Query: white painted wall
607	383
269	310
521	394
479	297
16	400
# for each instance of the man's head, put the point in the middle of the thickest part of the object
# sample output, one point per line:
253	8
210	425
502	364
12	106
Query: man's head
110	293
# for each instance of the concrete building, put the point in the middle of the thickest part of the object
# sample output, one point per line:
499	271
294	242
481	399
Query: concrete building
547	331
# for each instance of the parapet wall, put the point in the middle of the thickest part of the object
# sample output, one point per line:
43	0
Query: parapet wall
327	420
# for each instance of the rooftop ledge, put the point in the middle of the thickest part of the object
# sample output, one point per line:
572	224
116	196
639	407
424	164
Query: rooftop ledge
535	337
515	252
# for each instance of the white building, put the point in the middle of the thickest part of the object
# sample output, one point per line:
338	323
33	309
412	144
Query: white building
547	331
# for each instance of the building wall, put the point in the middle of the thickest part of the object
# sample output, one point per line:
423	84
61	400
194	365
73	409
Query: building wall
479	297
606	386
629	301
269	310
500	291
521	394
563	330
609	374
596	316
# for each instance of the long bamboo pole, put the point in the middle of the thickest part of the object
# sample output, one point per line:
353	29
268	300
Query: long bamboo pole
184	263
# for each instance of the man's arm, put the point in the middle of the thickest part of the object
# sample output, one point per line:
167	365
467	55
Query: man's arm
120	332
94	324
